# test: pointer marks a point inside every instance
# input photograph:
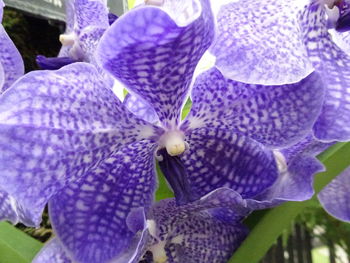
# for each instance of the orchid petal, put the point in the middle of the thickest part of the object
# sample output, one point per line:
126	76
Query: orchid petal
154	52
335	196
10	60
52	252
297	167
91	13
218	158
140	108
273	115
55	126
197	237
259	42
98	218
7	207
333	64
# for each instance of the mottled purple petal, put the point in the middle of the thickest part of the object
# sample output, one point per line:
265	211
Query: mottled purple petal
52	252
55	126
273	115
99	217
196	237
297	168
218	158
259	42
335	196
333	64
140	108
7	206
70	15
10	60
91	13
155	56
88	39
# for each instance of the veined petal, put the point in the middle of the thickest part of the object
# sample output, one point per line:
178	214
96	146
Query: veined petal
88	39
260	42
196	237
335	196
154	52
140	108
341	39
98	218
275	116
54	127
219	158
91	13
10	60
297	167
333	64
52	252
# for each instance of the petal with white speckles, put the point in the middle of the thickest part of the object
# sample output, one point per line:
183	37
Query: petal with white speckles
297	167
219	158
335	196
12	66
193	235
275	116
52	252
333	64
140	108
155	57
97	219
55	126
259	42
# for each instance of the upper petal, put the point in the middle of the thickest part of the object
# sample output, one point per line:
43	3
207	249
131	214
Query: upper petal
101	217
335	196
260	42
333	64
90	13
154	52
10	60
273	115
219	158
55	126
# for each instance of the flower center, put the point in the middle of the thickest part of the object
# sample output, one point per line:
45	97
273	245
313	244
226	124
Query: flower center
67	39
173	142
338	14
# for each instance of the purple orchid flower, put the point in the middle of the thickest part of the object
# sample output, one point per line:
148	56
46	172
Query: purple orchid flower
282	41
65	138
207	230
86	21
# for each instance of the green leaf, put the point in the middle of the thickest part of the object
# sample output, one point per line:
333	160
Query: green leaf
16	246
277	220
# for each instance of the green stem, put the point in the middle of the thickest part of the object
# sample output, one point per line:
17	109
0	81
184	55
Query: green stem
277	220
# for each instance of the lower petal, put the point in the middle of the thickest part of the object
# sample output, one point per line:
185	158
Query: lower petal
52	252
101	217
335	196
